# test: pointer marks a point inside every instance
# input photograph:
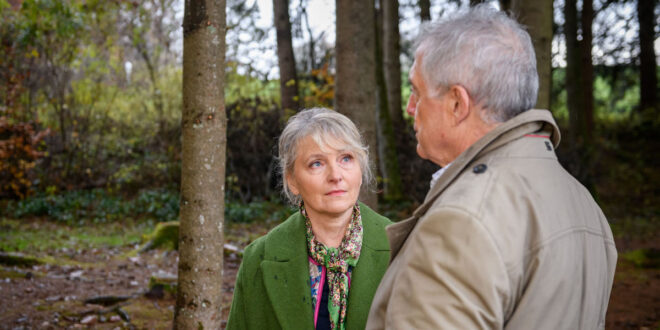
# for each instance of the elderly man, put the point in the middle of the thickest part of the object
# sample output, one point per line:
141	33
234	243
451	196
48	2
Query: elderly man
505	238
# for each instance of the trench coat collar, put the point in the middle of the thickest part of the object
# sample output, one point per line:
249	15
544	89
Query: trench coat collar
530	121
286	272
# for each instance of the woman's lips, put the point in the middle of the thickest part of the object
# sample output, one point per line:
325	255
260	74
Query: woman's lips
336	192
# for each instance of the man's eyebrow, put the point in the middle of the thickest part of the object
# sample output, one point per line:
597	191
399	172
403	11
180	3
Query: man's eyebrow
412	85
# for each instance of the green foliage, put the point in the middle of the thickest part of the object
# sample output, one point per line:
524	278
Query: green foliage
318	89
65	64
616	93
97	206
643	258
100	206
243	88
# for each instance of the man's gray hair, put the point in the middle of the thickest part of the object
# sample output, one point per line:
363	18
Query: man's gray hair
322	125
487	53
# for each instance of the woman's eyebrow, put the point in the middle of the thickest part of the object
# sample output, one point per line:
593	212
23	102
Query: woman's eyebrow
316	155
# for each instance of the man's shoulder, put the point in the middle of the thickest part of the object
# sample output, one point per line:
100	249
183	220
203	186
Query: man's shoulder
519	167
519	198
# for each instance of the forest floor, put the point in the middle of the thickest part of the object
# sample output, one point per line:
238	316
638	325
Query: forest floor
87	262
92	262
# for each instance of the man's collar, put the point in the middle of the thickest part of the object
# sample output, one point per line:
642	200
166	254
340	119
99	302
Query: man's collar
438	174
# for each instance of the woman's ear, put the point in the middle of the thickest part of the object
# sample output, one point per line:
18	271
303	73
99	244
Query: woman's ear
291	183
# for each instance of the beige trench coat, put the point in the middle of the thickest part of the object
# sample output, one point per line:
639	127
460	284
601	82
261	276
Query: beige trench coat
505	239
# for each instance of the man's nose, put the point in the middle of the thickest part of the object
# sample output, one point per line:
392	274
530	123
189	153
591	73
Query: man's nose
412	106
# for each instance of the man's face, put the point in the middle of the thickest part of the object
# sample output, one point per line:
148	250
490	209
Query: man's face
432	118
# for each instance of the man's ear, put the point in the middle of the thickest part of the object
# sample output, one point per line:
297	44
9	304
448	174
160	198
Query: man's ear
460	102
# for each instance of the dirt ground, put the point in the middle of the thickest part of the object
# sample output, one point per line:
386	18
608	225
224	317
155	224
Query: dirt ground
52	297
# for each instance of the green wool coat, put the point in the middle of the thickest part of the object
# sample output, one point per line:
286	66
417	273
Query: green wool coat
273	287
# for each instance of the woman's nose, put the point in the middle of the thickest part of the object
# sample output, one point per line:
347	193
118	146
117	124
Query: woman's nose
334	173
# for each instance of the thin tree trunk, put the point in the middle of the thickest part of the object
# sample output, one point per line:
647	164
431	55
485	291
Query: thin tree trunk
579	90
587	67
647	63
155	91
538	17
389	162
287	63
355	90
505	5
424	10
392	62
311	43
574	81
204	127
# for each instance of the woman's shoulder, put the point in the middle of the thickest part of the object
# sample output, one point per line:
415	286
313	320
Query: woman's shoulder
280	233
370	216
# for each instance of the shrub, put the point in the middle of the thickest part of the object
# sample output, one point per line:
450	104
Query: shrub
19	150
80	207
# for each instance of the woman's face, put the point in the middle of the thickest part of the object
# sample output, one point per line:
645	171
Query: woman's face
327	179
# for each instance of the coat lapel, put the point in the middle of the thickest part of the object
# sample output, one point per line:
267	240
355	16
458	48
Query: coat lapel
286	276
525	123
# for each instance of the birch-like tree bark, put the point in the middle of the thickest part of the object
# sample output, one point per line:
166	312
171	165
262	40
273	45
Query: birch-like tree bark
203	125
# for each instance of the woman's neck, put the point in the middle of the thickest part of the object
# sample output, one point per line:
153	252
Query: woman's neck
329	229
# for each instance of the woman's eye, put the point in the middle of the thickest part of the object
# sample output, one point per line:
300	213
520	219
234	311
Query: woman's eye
315	164
347	158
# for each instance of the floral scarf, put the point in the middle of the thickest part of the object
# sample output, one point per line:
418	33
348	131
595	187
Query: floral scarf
337	262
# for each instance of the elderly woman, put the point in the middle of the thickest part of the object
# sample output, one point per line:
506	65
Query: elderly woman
320	268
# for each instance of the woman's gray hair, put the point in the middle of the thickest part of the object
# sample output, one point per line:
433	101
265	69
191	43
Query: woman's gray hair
320	124
487	53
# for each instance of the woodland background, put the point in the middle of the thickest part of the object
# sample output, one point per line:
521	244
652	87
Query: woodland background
92	116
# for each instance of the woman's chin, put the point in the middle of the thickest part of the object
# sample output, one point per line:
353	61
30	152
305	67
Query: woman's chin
338	206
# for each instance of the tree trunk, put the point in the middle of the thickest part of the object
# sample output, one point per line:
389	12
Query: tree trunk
425	10
392	63
389	162
579	90
574	81
505	5
311	44
155	91
647	64
287	63
587	67
204	126
538	17
355	90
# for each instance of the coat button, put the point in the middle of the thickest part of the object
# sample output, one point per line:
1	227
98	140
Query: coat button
480	168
